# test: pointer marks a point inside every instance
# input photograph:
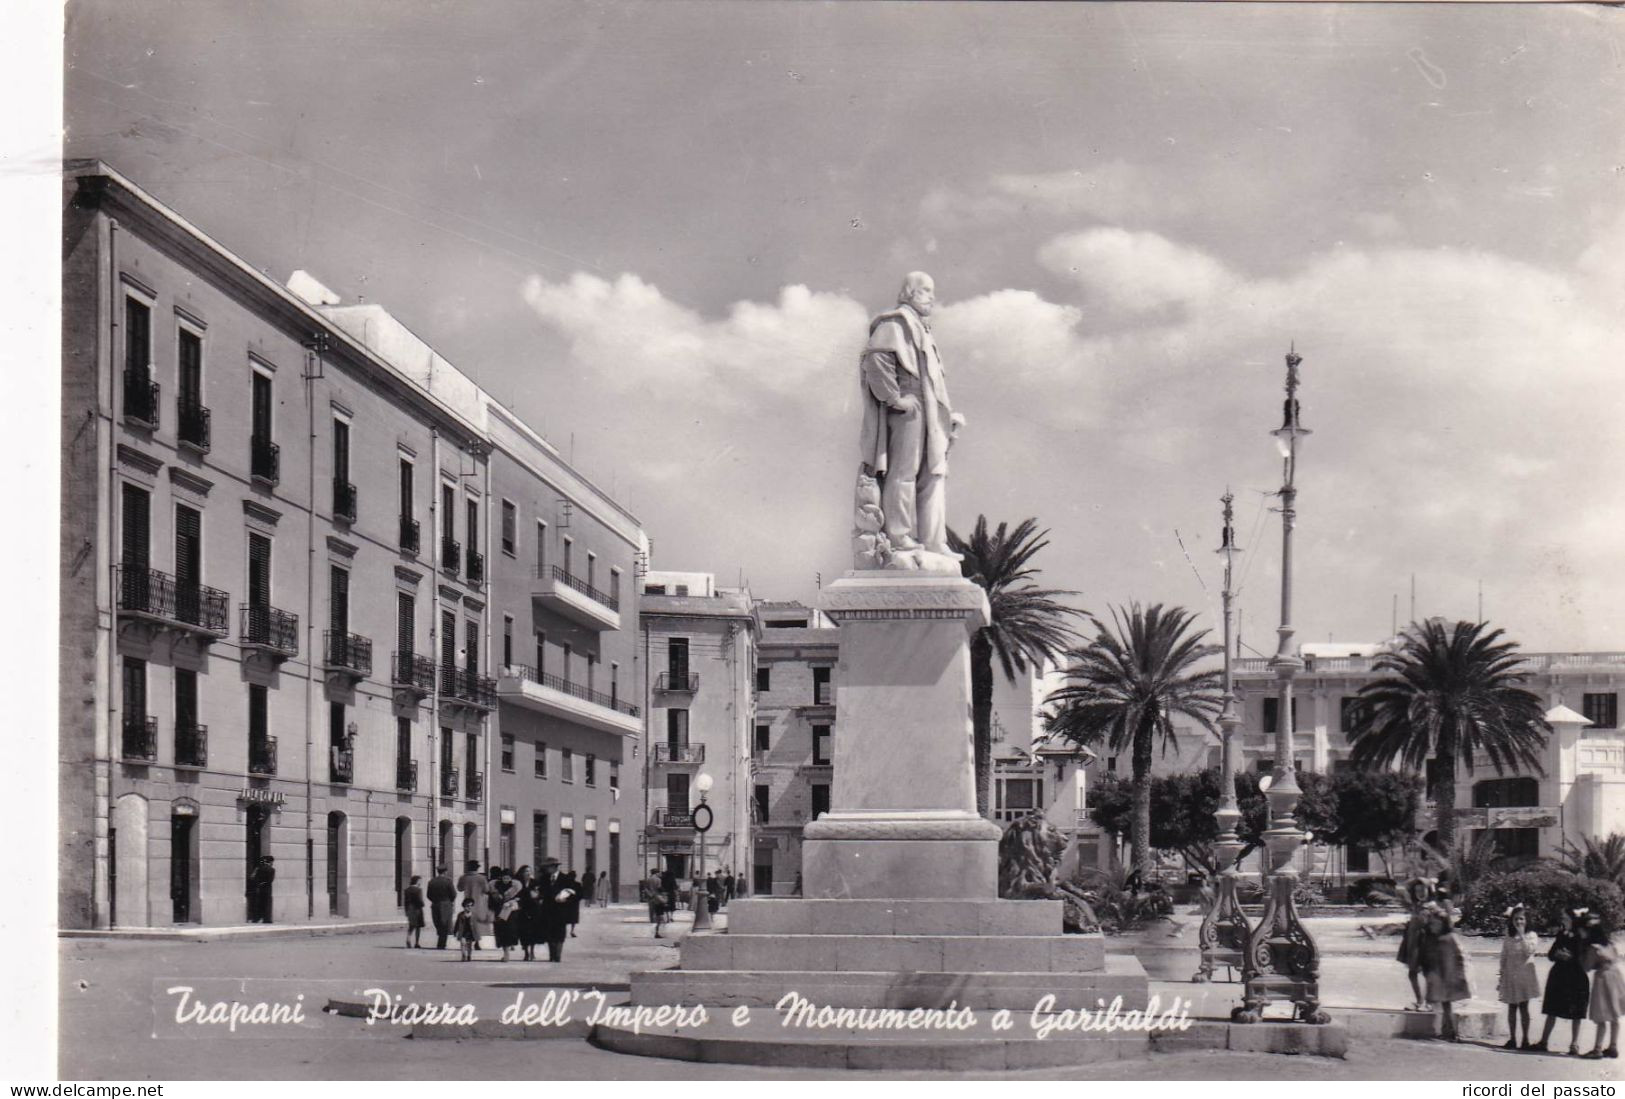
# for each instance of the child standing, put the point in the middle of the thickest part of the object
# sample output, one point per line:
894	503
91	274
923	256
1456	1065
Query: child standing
1444	969
1518	982
1607	986
464	930
1568	990
1418	893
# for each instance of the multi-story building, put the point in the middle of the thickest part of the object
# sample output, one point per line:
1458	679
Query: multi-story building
277	610
699	659
792	737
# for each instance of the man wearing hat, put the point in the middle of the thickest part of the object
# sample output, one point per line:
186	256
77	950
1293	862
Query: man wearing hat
259	890
555	913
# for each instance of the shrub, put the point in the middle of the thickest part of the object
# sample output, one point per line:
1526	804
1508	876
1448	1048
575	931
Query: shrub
1306	893
1374	891
1545	891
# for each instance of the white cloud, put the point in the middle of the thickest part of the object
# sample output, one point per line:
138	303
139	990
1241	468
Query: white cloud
1114	191
1134	271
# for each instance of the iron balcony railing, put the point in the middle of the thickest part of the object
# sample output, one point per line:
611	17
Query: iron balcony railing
158	595
411	535
140	738
349	652
448	782
466	685
262	756
608	599
677	681
140	397
341	765
671	818
557	683
191	745
451	554
476	567
413	672
679	753
406	775
265	459
344	500
192	425
265	627
476	785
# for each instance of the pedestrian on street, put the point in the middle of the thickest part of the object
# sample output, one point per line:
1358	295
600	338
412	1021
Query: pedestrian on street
656	897
1568	989
412	901
1444	968
504	904
442	895
530	915
474	884
1518	982
1607	987
1418	894
572	908
260	890
466	933
602	892
713	892
668	886
561	893
728	887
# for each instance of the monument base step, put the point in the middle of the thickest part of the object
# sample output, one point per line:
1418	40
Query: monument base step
1052	953
765	1039
1121	977
833	916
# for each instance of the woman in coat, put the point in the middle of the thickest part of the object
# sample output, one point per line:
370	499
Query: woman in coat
504	905
572	909
1568	990
530	915
412	902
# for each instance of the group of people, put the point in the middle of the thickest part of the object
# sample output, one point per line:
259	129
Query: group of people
518	909
660	890
1584	982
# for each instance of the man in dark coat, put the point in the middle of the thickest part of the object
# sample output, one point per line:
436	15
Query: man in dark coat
668	886
728	887
259	890
557	895
442	894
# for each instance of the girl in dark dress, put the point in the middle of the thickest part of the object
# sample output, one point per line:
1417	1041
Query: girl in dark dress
530	917
1568	990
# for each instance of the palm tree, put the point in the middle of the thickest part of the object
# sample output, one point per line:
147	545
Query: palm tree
1027	628
1448	692
1124	688
1594	858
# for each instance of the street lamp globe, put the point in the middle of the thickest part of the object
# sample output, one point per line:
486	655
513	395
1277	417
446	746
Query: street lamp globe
703	783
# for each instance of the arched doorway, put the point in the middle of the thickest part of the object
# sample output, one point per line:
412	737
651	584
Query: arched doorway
184	877
338	864
403	858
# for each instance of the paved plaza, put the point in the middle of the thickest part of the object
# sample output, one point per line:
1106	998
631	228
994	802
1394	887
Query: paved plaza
110	987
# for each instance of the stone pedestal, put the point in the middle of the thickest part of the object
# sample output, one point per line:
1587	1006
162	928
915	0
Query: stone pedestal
902	822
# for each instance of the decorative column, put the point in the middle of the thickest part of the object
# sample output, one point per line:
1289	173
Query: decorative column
1224	933
1282	961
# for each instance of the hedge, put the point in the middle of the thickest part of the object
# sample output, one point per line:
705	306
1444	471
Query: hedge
1545	892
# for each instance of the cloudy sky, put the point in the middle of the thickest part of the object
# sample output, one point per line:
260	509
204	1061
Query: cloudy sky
657	230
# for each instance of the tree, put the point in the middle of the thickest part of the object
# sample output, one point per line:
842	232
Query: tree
1593	858
1027	626
1449	692
1376	810
1124	688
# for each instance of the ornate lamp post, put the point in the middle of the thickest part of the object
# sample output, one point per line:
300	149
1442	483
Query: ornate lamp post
702	825
1282	961
1224	932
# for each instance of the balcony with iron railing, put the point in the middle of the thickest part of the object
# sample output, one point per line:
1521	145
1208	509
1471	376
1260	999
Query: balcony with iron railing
191	745
576	599
412	672
448	782
556	696
476	785
157	597
264	460
665	817
347	654
140	741
411	535
140	398
476	567
344	500
265	628
262	756
192	426
341	765
406	775
451	554
679	753
678	682
469	687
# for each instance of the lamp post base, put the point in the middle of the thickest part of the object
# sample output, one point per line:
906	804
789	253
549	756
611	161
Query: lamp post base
1282	963
1225	930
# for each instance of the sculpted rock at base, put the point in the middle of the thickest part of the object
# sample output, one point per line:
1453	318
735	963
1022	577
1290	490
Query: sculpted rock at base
908	428
1029	866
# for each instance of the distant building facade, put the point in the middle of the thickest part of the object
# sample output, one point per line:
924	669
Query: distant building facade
699	655
279	601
